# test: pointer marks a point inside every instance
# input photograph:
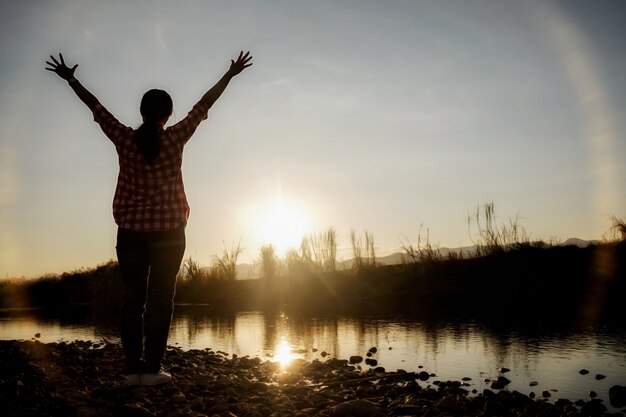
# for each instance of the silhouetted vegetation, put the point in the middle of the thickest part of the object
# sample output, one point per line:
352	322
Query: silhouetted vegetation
506	276
85	286
569	281
364	254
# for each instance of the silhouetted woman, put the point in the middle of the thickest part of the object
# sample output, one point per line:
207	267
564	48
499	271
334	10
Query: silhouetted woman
151	210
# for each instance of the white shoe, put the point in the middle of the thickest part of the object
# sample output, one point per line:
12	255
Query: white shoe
159	378
133	379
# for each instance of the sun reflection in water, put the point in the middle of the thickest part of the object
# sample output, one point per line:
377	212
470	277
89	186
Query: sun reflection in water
283	354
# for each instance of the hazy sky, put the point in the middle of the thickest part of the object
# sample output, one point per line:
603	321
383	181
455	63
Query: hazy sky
384	116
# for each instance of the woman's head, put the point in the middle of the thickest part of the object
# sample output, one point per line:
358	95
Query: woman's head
156	106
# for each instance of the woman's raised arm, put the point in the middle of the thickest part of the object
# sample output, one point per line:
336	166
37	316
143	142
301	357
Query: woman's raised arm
242	62
67	73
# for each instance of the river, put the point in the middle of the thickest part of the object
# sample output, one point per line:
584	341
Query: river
545	356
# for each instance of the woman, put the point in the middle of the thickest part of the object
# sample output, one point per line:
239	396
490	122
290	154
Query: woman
151	210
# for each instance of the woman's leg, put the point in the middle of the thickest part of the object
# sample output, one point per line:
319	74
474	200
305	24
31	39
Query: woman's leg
133	258
166	254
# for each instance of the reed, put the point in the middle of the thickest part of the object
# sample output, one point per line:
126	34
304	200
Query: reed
224	266
424	250
191	272
494	237
268	263
360	260
320	250
617	231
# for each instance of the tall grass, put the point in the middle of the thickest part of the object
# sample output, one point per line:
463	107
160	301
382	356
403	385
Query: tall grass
268	263
493	237
320	250
364	254
190	271
424	250
617	231
224	266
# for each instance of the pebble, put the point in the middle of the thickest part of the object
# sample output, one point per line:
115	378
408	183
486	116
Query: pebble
207	383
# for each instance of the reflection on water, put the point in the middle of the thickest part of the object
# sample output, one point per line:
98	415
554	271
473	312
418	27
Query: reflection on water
550	354
283	354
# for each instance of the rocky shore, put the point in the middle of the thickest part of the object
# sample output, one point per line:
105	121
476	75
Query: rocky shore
83	379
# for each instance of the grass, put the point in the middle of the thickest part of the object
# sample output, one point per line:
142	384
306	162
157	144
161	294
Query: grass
268	263
617	231
224	266
363	254
494	236
424	250
507	271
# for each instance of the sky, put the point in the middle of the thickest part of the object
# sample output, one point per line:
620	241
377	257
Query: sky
388	117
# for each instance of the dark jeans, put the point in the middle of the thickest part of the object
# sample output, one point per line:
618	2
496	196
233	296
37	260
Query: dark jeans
149	263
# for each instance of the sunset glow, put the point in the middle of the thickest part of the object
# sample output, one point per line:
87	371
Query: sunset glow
377	116
283	225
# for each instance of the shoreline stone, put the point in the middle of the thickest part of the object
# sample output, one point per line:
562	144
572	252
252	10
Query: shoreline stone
83	379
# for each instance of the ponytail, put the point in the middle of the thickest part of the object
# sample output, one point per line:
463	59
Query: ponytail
148	139
156	105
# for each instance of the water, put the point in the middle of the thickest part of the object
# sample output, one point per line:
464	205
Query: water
550	354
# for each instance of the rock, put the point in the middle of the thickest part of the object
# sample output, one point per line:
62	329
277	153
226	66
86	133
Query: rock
583	372
355	359
88	412
178	398
423	376
600	377
533	384
304	404
593	408
371	362
500	383
617	396
562	402
448	404
37	335
356	408
133	410
546	394
408	410
494	408
593	394
504	370
372	350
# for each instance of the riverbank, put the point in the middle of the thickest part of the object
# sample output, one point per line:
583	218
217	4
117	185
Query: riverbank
529	283
83	379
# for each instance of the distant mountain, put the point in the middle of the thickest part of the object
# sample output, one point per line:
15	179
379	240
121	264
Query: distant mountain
573	241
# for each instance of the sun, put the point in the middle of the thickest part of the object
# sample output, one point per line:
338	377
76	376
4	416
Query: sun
283	225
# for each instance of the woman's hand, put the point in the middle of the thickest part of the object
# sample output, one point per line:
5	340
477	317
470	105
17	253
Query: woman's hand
63	70
67	74
242	62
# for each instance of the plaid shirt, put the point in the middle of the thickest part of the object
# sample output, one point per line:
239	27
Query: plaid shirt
150	197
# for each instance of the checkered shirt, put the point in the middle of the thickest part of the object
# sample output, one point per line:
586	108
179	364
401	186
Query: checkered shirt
150	197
